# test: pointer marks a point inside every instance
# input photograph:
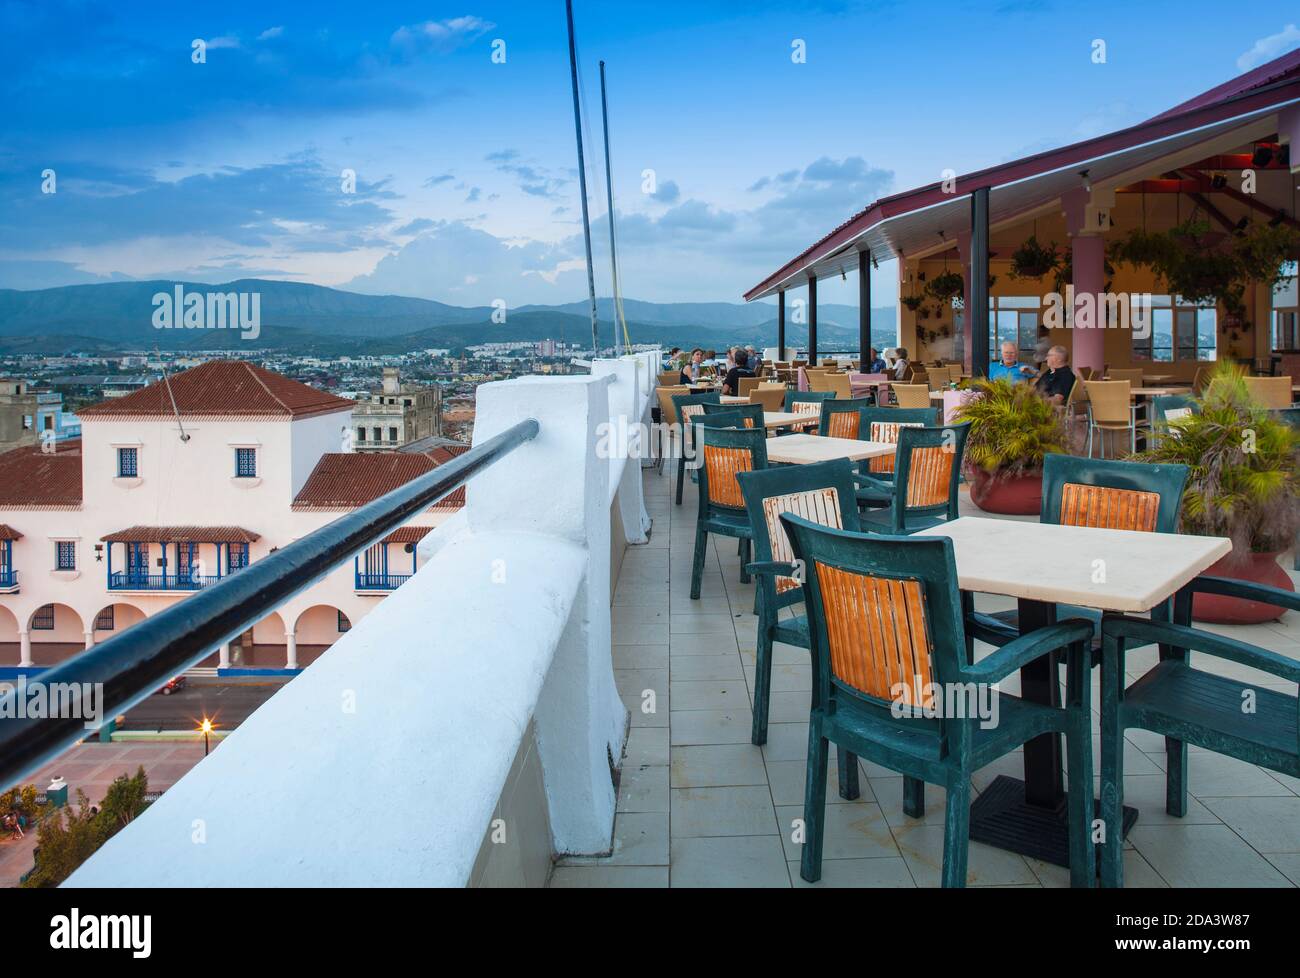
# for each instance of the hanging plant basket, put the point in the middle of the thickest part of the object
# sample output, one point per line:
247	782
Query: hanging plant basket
913	302
945	286
1033	260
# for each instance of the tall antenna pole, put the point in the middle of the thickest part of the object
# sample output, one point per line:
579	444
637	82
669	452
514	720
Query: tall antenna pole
609	192
582	177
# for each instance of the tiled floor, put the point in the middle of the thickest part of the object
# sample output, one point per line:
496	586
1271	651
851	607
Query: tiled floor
700	806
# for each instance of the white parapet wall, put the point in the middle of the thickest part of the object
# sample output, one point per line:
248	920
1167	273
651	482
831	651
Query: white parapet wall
383	763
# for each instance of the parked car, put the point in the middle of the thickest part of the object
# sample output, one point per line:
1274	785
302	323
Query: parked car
173	684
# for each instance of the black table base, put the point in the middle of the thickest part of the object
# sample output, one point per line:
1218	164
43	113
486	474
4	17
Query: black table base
1001	817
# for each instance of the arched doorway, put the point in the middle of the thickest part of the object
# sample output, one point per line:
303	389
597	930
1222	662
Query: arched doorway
56	633
316	629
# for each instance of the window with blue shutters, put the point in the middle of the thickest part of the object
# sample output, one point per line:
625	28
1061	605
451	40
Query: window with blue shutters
238	556
246	463
128	463
43	618
66	555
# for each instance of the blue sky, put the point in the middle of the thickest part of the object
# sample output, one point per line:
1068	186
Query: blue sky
466	179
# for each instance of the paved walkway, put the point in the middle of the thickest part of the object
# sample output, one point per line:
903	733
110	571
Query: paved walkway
700	806
92	767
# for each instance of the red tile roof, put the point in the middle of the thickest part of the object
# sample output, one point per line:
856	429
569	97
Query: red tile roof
346	481
7	532
407	534
223	388
182	534
34	476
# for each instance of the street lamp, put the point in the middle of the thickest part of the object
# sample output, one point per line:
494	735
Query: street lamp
206	727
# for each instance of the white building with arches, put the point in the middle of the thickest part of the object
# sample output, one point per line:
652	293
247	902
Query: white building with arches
175	486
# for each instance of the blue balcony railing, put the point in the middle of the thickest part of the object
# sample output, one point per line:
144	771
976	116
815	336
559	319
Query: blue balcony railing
8	577
128	581
380	582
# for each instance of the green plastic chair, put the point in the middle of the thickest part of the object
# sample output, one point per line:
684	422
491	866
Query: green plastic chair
807	397
882	424
927	473
821	491
687	407
1161	406
1191	706
1291	416
1101	492
725	448
824	492
842	418
868	600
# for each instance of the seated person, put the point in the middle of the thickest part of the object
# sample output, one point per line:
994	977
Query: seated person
876	365
691	372
731	383
1008	368
901	364
1056	382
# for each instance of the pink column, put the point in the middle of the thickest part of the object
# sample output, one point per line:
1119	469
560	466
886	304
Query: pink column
963	255
1089	266
1088	260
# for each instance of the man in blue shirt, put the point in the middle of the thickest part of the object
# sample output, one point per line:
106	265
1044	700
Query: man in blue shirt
1008	368
876	365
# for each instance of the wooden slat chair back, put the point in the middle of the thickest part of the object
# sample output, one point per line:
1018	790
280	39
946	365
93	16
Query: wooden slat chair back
885	622
668	410
840	385
1273	393
687	408
818	379
912	395
1110	400
726	449
822	492
746	385
927	474
806	402
751	415
669	378
842	418
883	425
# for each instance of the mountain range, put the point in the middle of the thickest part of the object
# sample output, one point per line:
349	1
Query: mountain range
315	320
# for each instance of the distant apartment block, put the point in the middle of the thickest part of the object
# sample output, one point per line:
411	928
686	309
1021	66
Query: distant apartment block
396	415
167	492
17	414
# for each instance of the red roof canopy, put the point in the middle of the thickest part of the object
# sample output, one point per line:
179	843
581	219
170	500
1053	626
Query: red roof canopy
37	476
1222	110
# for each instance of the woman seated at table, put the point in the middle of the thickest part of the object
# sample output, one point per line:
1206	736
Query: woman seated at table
901	364
731	383
691	372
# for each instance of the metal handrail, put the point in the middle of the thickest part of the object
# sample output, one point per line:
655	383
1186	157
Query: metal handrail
137	662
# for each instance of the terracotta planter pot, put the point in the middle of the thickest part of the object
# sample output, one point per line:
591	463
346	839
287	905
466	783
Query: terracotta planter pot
1257	569
1020	496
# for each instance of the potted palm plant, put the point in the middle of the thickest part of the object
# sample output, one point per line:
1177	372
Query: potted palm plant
1012	428
1243	485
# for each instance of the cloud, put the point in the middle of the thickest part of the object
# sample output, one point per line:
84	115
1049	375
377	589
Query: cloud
457	263
668	192
222	43
532	180
441	178
1268	48
416	226
439	35
473	195
270	32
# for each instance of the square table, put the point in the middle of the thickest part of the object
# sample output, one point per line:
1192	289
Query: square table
1041	565
784	419
802	449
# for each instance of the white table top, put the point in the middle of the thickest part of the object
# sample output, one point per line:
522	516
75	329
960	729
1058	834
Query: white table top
732	399
780	419
801	449
1048	562
1158	391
